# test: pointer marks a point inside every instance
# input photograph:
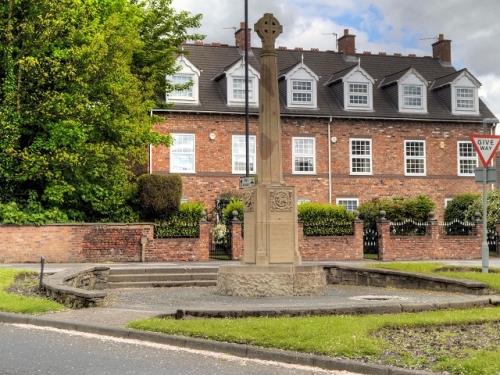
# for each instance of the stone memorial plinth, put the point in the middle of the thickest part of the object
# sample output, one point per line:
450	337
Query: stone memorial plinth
271	263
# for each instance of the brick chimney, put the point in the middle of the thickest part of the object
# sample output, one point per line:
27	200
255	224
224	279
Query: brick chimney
239	37
347	43
442	49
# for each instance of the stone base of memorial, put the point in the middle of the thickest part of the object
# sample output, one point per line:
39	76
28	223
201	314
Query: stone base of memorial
271	281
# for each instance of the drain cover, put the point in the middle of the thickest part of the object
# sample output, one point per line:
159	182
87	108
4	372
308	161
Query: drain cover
378	298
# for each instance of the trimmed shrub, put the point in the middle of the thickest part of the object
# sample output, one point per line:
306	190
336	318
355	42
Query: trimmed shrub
323	219
460	205
235	204
184	223
159	196
493	209
397	209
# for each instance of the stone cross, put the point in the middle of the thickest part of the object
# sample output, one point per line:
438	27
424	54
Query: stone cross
268	29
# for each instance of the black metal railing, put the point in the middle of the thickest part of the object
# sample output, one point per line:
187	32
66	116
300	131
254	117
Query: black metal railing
492	240
328	228
177	228
409	228
458	228
221	243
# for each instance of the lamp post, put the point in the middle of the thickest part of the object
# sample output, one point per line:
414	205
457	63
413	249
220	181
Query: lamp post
247	115
485	251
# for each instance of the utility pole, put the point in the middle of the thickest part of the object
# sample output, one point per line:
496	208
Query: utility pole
247	115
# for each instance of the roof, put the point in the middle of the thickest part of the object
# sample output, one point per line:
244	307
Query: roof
449	78
326	65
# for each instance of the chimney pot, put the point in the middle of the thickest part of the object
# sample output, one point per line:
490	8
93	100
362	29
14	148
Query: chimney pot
283	48
367	53
412	55
239	37
441	49
347	43
298	48
397	54
382	53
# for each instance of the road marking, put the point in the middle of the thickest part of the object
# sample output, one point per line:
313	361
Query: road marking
219	356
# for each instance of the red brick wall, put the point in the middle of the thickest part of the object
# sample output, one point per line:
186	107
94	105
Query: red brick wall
236	240
97	243
180	249
434	245
331	248
214	170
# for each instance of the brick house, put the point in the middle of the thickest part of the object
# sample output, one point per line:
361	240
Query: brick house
355	126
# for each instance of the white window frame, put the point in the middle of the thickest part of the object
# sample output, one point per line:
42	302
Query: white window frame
360	94
172	151
412	96
294	155
250	89
237	72
252	154
407	157
339	200
472	99
185	68
447	201
302	91
460	157
465	81
351	157
302	200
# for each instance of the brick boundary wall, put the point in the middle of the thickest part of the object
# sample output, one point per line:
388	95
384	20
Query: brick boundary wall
68	243
433	245
315	248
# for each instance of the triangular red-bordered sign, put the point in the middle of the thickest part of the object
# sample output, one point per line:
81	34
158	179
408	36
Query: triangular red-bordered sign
486	146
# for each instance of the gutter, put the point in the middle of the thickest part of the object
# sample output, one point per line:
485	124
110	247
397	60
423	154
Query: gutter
160	110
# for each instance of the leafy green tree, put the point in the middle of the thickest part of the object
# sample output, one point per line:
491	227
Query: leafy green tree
77	81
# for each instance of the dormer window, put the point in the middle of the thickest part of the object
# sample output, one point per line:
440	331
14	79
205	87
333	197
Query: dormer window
301	86
187	75
463	89
358	94
411	90
235	81
412	96
465	98
302	92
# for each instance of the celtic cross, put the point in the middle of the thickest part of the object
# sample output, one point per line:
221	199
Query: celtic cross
268	29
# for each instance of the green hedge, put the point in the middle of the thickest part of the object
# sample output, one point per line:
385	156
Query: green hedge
183	223
323	219
158	196
31	213
397	209
465	206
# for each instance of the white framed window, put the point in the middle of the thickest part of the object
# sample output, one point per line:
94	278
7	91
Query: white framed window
239	88
447	201
466	158
182	153
302	92
413	96
415	164
302	200
187	73
182	79
358	94
360	156
351	204
304	155
464	99
239	154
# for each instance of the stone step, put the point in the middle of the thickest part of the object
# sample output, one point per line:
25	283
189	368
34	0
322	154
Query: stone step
161	284
163	270
161	277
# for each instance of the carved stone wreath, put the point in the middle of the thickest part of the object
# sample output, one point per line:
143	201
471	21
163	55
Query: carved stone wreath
249	200
280	200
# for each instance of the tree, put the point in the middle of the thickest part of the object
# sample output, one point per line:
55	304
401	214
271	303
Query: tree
77	81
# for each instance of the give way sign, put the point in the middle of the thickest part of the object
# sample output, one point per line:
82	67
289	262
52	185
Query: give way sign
486	146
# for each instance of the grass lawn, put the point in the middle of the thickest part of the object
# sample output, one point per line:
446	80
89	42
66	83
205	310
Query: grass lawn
492	279
356	337
10	302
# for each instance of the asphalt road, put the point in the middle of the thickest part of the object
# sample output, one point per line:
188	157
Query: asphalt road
31	350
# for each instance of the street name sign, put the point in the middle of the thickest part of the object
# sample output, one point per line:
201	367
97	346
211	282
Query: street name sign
246	182
486	146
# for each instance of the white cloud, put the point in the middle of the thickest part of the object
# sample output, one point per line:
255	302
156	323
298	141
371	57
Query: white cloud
399	26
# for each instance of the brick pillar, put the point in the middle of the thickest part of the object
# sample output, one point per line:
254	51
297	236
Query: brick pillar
384	239
358	239
236	240
203	244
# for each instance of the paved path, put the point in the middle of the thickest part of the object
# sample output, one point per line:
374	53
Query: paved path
32	350
124	305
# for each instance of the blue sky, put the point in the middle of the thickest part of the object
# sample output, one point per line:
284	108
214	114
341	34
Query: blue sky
383	25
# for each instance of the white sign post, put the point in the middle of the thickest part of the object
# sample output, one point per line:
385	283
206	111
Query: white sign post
486	147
